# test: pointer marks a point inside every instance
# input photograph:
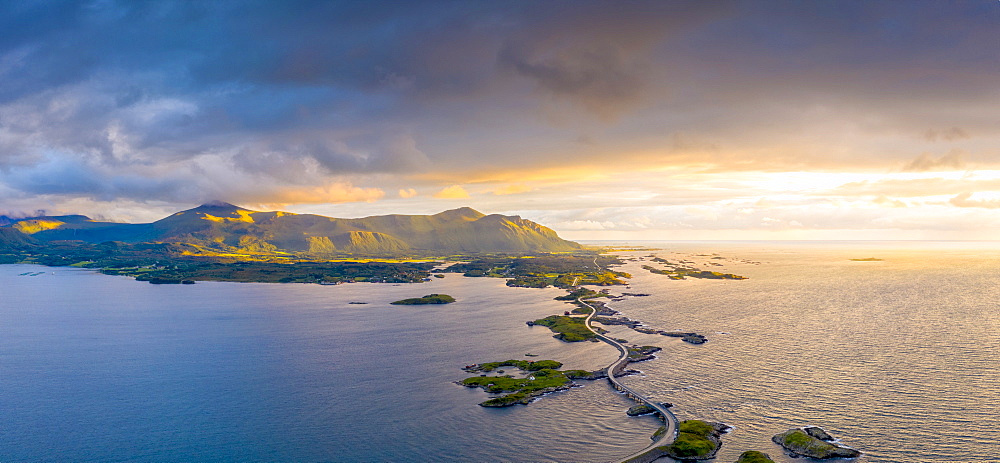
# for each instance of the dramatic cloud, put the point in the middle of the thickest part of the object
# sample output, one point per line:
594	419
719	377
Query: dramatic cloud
666	107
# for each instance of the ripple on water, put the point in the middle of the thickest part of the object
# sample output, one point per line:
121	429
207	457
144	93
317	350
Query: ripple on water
895	359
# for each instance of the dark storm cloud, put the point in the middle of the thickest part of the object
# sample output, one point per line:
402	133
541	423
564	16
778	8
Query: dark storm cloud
149	100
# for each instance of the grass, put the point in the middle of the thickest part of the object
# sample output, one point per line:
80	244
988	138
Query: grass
680	273
544	376
582	293
799	438
693	440
521	364
582	309
543	379
519	390
753	456
569	329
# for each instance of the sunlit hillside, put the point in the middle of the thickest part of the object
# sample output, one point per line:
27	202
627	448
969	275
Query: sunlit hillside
225	227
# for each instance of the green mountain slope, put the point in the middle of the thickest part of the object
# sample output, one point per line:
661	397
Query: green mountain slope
227	227
12	238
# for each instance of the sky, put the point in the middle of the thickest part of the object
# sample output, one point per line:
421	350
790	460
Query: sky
665	120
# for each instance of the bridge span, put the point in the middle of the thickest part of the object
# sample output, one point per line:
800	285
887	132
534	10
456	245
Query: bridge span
650	452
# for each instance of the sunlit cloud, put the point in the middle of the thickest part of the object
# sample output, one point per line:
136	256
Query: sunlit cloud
575	225
332	193
601	120
452	192
966	200
885	201
511	189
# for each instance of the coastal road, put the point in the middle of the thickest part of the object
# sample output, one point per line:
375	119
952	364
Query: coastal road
649	453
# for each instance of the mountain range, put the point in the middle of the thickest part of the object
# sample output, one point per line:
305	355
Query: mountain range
225	227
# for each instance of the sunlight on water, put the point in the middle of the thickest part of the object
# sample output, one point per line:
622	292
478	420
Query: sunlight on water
896	357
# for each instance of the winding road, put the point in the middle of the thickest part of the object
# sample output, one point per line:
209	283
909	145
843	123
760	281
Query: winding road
649	453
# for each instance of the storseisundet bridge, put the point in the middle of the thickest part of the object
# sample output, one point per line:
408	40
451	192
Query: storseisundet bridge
652	451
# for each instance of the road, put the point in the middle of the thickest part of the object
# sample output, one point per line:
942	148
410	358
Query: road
669	420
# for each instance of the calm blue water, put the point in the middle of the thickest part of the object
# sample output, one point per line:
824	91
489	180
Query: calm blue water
100	368
897	358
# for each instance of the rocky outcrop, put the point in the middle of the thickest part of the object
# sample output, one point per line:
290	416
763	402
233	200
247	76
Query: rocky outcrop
623	321
818	433
642	353
645	409
521	398
586	375
693	338
804	442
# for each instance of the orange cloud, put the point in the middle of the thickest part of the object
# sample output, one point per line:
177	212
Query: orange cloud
407	193
965	200
452	192
512	189
330	193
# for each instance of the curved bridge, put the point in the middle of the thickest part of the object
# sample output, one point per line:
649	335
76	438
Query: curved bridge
649	453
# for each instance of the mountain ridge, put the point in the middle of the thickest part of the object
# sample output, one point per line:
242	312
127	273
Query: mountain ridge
227	227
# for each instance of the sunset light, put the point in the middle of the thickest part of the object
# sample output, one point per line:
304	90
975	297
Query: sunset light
671	120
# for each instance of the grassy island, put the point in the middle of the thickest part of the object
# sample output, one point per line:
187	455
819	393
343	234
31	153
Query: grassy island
543	377
428	299
813	442
519	364
569	329
581	293
543	270
680	273
696	440
753	456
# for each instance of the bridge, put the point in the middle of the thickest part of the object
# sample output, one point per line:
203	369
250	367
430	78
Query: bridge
670	423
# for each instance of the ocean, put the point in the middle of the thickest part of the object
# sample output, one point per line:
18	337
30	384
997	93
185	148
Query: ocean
896	357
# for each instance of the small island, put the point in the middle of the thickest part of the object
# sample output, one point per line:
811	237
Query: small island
681	273
645	409
543	377
567	328
753	456
868	259
813	442
696	440
428	299
642	353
